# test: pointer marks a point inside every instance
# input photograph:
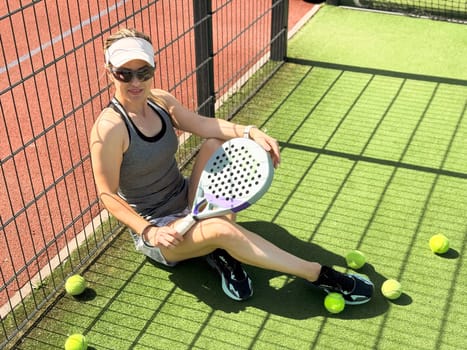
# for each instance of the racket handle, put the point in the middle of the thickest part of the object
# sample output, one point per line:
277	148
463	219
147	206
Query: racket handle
185	224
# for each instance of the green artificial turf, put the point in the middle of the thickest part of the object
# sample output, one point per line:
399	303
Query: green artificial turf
376	40
369	162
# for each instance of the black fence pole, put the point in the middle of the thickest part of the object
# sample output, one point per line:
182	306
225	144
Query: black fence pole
279	29
202	10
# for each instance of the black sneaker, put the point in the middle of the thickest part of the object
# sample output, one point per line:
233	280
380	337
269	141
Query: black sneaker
235	281
354	288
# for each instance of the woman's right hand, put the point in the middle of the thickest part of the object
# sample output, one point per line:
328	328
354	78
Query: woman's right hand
164	236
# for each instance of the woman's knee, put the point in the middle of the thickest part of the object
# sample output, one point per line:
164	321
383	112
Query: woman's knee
219	229
210	145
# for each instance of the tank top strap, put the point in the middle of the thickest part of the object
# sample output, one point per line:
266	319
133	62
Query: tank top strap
131	127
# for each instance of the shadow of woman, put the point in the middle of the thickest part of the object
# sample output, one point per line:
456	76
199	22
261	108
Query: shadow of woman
275	292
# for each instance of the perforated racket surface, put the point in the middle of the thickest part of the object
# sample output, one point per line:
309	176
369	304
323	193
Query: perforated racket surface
235	176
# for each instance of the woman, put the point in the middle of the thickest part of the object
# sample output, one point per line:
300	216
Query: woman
133	147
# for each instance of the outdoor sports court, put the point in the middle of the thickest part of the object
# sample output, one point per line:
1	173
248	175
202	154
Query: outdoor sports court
370	111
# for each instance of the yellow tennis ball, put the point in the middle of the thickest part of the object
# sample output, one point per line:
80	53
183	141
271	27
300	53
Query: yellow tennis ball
75	285
391	289
355	259
76	342
439	243
334	303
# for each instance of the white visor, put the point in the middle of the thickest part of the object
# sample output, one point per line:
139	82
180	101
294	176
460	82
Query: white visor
128	49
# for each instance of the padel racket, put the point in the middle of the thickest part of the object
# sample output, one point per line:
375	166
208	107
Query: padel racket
236	176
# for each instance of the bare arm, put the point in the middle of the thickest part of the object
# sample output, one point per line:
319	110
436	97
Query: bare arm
216	128
108	138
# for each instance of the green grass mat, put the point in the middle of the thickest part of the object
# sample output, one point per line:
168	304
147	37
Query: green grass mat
388	42
370	162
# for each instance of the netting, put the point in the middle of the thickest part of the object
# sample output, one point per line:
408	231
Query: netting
449	10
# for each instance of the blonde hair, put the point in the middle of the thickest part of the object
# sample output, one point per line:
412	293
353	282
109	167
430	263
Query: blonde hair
132	33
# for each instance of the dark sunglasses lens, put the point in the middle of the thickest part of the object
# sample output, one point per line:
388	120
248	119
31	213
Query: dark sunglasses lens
123	75
145	73
126	75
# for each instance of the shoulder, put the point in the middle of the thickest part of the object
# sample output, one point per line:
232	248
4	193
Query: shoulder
108	124
163	94
169	103
163	98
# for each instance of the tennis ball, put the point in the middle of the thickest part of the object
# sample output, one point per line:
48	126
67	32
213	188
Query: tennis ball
76	342
334	303
391	289
355	259
439	243
75	285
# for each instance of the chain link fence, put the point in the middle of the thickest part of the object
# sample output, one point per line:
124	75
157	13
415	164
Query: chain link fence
212	55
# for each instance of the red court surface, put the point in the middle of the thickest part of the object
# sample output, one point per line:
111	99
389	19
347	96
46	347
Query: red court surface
42	150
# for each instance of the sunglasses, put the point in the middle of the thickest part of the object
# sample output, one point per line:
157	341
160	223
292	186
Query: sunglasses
126	75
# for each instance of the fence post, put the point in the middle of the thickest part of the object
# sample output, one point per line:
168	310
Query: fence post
279	29
202	11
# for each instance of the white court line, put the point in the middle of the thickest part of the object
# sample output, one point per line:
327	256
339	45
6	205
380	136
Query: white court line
60	37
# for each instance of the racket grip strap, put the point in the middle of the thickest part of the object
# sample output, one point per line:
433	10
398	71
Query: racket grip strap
185	224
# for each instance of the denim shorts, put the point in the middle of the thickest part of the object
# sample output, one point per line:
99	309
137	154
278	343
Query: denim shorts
155	253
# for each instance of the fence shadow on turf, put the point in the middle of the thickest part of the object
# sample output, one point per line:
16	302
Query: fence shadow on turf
296	299
382	72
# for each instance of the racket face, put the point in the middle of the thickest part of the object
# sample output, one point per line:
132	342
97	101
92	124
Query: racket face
236	175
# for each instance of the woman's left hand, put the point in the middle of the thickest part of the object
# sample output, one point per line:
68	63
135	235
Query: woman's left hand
269	143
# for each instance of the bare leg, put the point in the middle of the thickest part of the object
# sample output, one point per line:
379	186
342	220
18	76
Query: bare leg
207	149
250	248
243	245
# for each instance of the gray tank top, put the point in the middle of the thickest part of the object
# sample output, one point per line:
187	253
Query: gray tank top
150	180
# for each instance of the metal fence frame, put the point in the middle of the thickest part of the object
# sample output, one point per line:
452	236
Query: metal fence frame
52	88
